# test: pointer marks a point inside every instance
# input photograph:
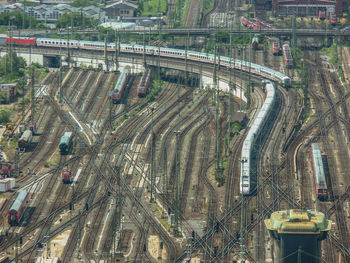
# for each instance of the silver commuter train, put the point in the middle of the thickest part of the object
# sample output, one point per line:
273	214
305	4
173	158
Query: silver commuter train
249	142
238	64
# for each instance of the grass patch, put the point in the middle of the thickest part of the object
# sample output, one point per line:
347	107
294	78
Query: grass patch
207	6
151	7
332	54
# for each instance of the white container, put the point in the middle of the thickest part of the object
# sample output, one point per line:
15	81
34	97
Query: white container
11	182
3	186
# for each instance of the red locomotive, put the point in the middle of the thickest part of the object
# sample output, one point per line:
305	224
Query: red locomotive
16	211
118	90
6	169
26	41
276	48
320	178
144	82
67	176
287	54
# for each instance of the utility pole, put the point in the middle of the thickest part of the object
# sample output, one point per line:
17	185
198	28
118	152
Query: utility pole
152	158
68	53
120	208
105	51
294	33
159	29
241	87
110	114
217	108
249	78
243	224
186	62
79	235
117	48
144	49
230	93
177	183
33	89
60	76
17	162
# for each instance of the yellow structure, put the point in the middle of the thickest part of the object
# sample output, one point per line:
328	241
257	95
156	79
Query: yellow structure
297	235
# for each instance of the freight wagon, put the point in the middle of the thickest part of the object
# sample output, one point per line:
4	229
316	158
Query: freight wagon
7	184
16	211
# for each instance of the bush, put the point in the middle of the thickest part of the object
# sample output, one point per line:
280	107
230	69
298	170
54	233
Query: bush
4	115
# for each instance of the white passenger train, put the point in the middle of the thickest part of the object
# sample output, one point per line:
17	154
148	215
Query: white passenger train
261	71
250	140
253	68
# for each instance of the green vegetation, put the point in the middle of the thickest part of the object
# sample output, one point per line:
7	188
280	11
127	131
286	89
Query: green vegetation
151	7
303	84
75	19
43	71
220	178
18	20
11	67
155	89
207	6
334	59
85	67
83	3
236	127
4	115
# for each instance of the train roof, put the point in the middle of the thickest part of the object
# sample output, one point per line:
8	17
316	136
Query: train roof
318	165
26	134
66	137
275	74
248	142
19	200
144	77
121	79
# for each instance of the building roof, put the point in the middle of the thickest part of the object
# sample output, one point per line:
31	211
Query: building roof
297	221
122	4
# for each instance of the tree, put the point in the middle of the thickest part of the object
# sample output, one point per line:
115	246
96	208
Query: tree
77	19
4	115
18	19
12	66
83	3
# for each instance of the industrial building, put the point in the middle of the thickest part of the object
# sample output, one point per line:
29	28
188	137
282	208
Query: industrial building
303	7
297	235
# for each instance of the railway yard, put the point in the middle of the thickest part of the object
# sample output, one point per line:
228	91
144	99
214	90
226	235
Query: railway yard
119	165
